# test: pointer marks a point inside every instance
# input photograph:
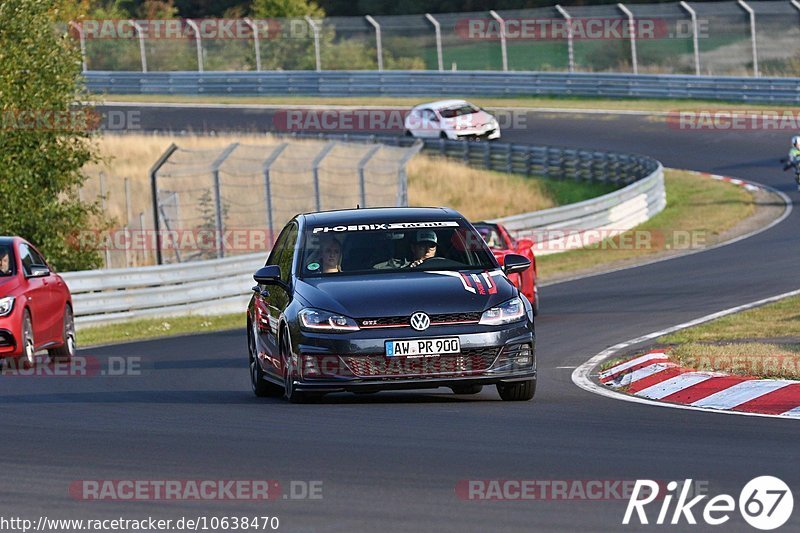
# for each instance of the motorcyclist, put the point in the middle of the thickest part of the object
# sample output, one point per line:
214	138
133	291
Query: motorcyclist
794	159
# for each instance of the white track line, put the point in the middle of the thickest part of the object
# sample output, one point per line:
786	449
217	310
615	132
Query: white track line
582	375
633	362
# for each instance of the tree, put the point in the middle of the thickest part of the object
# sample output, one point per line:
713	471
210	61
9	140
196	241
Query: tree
285	9
44	136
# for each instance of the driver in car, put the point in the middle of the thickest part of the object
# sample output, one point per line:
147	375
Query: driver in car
5	262
423	247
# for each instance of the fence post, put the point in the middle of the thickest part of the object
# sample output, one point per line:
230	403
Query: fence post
315	169
154	195
752	35
402	175
438	29
570	37
198	43
362	182
145	257
103	205
378	43
315	28
503	49
632	29
142	52
268	186
219	211
695	43
255	42
82	39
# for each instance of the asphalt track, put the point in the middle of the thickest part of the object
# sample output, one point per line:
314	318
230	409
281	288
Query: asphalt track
391	461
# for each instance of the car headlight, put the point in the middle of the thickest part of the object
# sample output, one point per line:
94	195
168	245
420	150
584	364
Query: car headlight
509	311
6	305
319	320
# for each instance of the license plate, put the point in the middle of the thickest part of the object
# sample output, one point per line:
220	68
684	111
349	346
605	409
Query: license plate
419	347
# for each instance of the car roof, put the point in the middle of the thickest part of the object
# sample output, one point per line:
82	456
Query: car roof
443	104
378	215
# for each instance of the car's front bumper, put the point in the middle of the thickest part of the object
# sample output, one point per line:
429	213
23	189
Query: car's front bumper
357	361
11	333
475	133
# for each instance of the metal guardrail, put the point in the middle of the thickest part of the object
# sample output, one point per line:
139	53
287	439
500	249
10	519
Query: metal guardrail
432	83
222	285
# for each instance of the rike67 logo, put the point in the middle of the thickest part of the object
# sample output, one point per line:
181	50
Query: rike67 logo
765	503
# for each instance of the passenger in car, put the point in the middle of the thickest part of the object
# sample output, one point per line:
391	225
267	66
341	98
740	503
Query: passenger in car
331	252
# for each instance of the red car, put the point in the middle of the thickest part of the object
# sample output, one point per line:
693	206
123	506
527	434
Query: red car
35	306
502	244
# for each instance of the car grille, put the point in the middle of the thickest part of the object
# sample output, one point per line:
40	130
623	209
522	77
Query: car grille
405	321
468	362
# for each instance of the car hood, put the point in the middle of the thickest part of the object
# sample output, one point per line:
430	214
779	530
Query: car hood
8	284
401	294
473	120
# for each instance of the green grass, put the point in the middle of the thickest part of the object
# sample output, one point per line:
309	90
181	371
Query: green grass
698	211
780	319
566	192
762	342
154	328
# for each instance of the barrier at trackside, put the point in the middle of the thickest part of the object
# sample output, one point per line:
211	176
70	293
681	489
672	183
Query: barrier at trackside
426	83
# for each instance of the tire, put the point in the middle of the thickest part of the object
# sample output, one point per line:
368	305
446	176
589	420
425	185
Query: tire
66	351
408	134
467	389
261	387
443	135
28	358
289	392
520	391
535	302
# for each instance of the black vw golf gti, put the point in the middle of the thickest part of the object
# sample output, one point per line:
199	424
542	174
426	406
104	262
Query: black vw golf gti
364	300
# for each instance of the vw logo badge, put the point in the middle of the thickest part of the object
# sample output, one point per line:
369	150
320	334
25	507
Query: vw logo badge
420	321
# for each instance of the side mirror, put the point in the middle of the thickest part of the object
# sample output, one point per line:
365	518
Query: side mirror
39	271
514	263
268	275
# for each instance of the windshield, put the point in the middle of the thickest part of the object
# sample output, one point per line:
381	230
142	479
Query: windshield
6	261
491	236
452	112
393	247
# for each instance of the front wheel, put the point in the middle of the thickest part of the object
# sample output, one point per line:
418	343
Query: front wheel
261	387
519	391
28	358
289	392
66	351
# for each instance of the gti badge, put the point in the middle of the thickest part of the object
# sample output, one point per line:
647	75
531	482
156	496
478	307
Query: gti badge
420	321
